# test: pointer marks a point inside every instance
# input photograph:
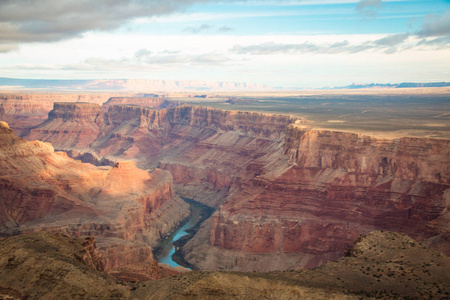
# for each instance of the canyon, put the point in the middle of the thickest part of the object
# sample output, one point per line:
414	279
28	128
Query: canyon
126	209
286	195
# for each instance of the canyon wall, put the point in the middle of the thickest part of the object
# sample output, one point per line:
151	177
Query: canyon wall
125	208
70	125
287	196
207	150
23	111
338	185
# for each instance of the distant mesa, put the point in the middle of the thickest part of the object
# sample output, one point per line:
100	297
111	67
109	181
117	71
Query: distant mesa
394	85
137	85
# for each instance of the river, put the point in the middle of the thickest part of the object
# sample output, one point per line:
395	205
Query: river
199	213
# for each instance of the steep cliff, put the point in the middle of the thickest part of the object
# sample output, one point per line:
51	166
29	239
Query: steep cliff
122	206
23	111
206	150
70	125
337	186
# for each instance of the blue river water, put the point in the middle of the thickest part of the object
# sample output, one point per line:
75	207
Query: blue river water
167	246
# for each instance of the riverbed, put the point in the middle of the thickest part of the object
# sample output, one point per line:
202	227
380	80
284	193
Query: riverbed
199	213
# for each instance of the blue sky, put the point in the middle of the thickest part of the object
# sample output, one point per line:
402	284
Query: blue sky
290	43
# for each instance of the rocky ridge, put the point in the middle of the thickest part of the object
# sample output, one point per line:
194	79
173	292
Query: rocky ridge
46	266
127	209
381	265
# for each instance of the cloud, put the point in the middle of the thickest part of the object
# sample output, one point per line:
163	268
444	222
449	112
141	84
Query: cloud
4	48
142	53
389	44
392	40
368	7
25	21
437	43
225	29
191	59
363	4
143	60
205	27
198	29
435	25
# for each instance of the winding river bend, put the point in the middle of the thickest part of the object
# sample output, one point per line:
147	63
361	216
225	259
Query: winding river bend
165	252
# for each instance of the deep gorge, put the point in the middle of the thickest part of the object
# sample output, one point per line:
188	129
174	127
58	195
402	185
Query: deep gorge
286	196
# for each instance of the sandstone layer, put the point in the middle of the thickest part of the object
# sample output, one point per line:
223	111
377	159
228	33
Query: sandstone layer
207	150
126	208
23	111
291	196
337	186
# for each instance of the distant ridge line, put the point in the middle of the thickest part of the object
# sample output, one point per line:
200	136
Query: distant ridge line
127	85
394	85
145	85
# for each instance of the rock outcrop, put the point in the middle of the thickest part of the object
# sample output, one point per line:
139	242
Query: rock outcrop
46	266
71	125
122	206
22	112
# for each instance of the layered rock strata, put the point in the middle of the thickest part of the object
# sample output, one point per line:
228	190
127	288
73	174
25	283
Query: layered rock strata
207	150
71	125
24	111
293	193
337	186
122	206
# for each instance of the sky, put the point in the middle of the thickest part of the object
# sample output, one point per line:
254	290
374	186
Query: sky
284	43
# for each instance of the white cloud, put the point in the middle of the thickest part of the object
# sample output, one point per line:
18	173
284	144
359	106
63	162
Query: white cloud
328	61
24	21
436	25
368	7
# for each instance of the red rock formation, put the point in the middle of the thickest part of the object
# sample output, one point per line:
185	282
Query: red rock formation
70	125
40	188
23	111
289	192
206	149
338	186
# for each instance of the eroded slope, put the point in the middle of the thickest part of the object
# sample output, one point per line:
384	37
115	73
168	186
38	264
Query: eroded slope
127	209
